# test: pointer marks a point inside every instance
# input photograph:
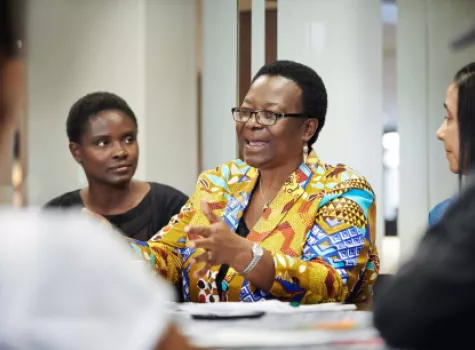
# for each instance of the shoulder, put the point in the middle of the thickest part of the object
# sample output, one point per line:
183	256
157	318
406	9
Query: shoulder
439	210
226	170
166	192
442	206
341	178
160	190
66	200
226	174
167	195
340	186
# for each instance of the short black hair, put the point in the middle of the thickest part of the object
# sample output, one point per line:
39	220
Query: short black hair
465	81
314	93
89	106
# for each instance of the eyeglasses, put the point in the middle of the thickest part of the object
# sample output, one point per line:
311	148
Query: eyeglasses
264	118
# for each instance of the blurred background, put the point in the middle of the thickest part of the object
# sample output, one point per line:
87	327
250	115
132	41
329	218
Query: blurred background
183	64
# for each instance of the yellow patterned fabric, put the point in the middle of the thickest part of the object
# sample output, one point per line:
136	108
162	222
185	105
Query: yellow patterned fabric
320	229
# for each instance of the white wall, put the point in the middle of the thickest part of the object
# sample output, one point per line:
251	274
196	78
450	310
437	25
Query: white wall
391	173
141	50
426	66
390	88
342	41
258	35
171	94
219	82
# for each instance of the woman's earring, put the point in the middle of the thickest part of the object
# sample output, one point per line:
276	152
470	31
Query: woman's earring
305	153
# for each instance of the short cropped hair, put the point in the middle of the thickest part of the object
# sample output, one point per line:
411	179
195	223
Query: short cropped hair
89	106
314	93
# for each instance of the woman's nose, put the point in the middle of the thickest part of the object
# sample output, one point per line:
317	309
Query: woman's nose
120	152
440	134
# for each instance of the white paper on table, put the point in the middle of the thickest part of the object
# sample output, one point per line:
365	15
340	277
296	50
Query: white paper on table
268	306
230	338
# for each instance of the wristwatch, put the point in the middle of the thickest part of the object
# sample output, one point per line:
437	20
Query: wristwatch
257	253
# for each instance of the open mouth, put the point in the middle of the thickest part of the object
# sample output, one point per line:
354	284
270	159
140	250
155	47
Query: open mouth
256	144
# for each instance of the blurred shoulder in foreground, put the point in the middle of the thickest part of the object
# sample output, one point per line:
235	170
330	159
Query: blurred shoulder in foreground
429	302
69	282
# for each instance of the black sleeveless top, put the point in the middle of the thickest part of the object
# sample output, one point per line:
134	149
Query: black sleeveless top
142	222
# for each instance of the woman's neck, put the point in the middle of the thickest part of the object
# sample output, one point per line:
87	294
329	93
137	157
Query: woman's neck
106	199
272	180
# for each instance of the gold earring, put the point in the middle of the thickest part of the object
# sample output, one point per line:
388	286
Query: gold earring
305	153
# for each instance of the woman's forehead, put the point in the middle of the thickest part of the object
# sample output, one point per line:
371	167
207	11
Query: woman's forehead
110	119
451	98
273	90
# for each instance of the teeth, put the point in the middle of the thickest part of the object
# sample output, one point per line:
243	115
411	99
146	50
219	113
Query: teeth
257	143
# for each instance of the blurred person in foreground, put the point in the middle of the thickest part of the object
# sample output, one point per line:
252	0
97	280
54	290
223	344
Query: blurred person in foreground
429	303
102	131
51	296
281	224
456	108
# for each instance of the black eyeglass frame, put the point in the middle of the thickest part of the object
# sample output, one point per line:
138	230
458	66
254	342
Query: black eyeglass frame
276	115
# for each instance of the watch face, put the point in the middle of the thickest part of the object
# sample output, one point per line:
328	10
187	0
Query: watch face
258	251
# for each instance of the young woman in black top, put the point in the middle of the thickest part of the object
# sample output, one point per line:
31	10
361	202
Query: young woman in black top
102	132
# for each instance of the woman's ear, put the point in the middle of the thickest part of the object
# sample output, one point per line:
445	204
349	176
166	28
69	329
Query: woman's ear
75	152
310	128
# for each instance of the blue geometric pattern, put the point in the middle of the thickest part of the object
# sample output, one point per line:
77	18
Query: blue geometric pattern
308	175
185	252
332	223
186	284
340	249
233	208
248	296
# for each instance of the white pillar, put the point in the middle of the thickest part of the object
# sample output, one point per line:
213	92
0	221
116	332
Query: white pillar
142	50
426	66
171	84
342	41
412	122
219	82
258	35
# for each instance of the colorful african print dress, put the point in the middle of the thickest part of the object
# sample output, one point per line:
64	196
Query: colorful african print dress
320	229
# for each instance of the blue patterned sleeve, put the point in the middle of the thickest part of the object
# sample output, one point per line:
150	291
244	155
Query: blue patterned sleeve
343	237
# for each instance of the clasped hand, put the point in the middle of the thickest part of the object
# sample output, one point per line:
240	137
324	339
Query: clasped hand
221	245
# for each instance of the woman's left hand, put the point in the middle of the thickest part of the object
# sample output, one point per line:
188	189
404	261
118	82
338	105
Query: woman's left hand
221	245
